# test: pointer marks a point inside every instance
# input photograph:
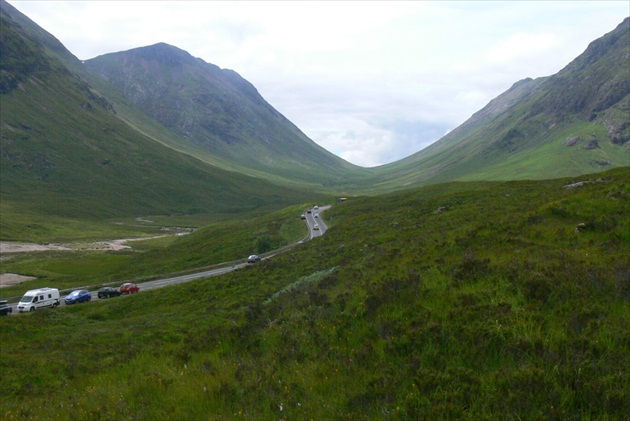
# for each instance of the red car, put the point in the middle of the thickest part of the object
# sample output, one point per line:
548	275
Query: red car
129	288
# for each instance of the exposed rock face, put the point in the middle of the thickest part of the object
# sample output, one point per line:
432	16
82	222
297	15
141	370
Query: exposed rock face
618	131
572	141
591	144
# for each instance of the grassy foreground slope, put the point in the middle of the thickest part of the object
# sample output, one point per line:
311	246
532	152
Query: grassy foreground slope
459	301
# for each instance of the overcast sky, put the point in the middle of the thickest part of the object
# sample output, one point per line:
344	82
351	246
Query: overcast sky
372	82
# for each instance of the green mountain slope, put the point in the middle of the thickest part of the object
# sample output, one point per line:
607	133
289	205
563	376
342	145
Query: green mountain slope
412	306
574	122
219	111
65	152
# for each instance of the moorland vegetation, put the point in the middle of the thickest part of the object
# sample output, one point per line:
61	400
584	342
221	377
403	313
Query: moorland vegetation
468	299
481	300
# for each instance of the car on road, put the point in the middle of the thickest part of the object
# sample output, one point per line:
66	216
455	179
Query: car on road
129	288
316	227
5	308
108	292
38	298
254	258
78	296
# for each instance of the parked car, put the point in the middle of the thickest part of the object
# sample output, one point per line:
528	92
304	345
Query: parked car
78	296
108	292
38	298
316	227
5	308
129	288
254	258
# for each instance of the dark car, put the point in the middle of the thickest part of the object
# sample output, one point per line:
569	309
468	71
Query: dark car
129	288
253	258
5	308
78	296
108	292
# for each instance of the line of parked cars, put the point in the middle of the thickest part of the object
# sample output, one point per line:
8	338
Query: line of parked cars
49	297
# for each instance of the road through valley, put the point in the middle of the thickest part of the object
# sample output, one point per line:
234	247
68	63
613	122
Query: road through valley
316	228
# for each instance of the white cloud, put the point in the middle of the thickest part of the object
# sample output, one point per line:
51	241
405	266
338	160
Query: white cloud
369	81
364	144
521	46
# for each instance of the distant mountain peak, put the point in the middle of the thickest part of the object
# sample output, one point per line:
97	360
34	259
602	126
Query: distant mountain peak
162	53
215	110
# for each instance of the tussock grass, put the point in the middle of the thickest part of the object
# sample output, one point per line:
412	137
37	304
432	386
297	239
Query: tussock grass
463	301
312	278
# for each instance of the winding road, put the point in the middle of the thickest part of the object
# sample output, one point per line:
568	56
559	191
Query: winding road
312	220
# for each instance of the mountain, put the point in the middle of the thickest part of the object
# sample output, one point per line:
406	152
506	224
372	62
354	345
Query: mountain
65	151
155	130
219	111
574	122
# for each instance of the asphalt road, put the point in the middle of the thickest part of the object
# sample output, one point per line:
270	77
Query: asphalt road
312	219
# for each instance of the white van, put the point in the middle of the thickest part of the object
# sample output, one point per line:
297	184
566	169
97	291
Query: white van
38	298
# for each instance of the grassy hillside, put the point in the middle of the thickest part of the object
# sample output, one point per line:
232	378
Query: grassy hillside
65	154
217	111
66	157
574	122
455	301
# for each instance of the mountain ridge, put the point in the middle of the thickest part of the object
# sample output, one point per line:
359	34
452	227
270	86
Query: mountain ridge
525	131
539	128
65	151
218	110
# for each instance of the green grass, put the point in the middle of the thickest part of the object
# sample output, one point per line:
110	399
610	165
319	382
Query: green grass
103	169
493	307
543	159
23	225
221	241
